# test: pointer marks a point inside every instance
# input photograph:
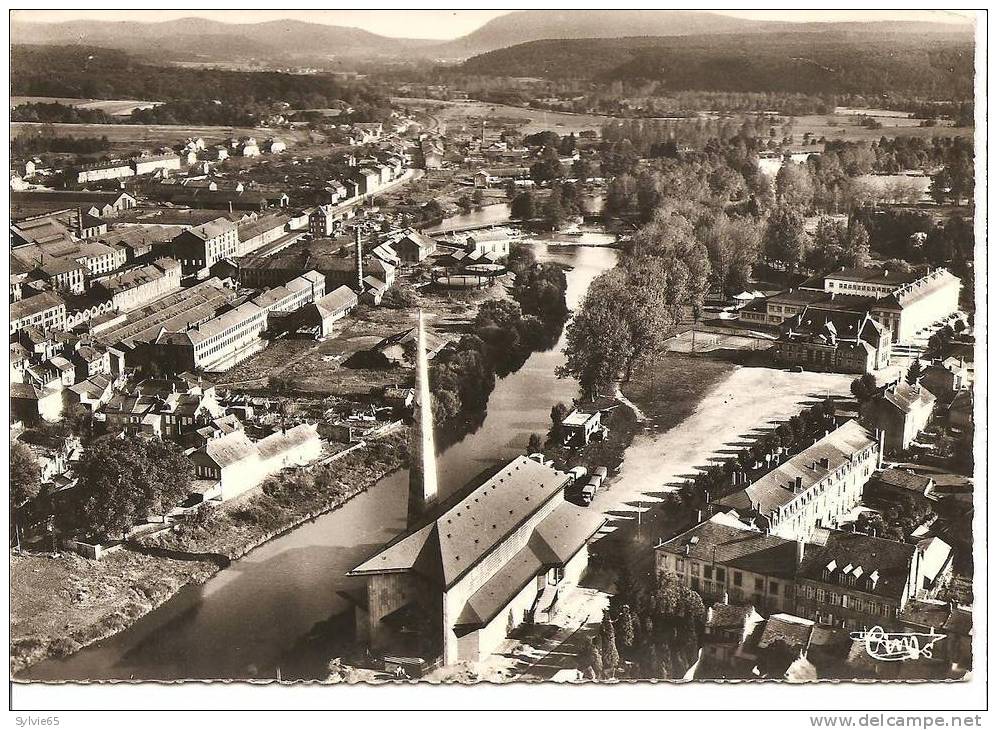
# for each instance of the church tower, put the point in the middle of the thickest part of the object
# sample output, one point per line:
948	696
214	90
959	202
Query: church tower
422	445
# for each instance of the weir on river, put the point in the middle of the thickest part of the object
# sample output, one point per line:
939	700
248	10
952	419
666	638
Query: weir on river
280	606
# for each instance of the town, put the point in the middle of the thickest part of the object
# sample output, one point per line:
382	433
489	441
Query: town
473	374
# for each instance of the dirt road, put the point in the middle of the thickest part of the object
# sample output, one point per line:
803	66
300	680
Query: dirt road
746	400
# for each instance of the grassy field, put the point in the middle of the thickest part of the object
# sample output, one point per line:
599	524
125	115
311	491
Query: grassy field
128	137
114	107
58	604
841	126
456	113
845	127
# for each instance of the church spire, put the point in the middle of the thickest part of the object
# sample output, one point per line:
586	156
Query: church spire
422	445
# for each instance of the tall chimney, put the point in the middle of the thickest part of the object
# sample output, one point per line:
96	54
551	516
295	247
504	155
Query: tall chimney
801	547
422	444
359	264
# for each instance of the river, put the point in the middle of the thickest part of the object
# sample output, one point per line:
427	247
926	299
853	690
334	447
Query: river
279	606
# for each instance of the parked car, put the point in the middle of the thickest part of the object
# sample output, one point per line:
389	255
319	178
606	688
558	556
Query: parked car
588	493
601	472
578	473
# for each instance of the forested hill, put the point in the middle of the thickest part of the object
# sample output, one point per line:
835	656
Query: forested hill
860	62
100	73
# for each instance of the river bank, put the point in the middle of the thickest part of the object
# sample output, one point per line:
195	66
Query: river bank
61	603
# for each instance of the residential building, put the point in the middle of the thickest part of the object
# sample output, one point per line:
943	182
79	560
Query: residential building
204	245
724	560
368	180
901	412
856	581
815	488
896	486
45	310
236	464
726	633
273	146
944	378
457	584
321	222
29	402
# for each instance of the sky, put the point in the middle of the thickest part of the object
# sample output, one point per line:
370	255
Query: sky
446	24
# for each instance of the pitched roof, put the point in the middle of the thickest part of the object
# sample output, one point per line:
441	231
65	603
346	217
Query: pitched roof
873	275
557	538
718	540
778	487
230	449
335	301
906	397
469	530
888	560
903	479
788	630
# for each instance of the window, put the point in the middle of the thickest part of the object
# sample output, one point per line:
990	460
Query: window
695	568
738	577
773	588
721	575
708	572
759	585
679	565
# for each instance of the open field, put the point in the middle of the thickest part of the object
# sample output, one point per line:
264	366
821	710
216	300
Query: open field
845	127
114	107
454	113
131	136
740	405
831	126
58	604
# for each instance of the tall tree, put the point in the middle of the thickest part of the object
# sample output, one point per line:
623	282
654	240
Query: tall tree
25	475
784	238
794	186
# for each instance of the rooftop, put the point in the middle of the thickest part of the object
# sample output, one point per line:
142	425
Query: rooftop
718	540
449	546
880	566
778	487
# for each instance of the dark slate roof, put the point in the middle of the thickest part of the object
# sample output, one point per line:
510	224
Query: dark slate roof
903	479
782	628
735	547
727	616
888	559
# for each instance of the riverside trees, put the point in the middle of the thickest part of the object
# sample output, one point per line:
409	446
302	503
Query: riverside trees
123	481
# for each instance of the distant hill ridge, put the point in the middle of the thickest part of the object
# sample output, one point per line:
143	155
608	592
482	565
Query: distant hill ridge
292	39
841	61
